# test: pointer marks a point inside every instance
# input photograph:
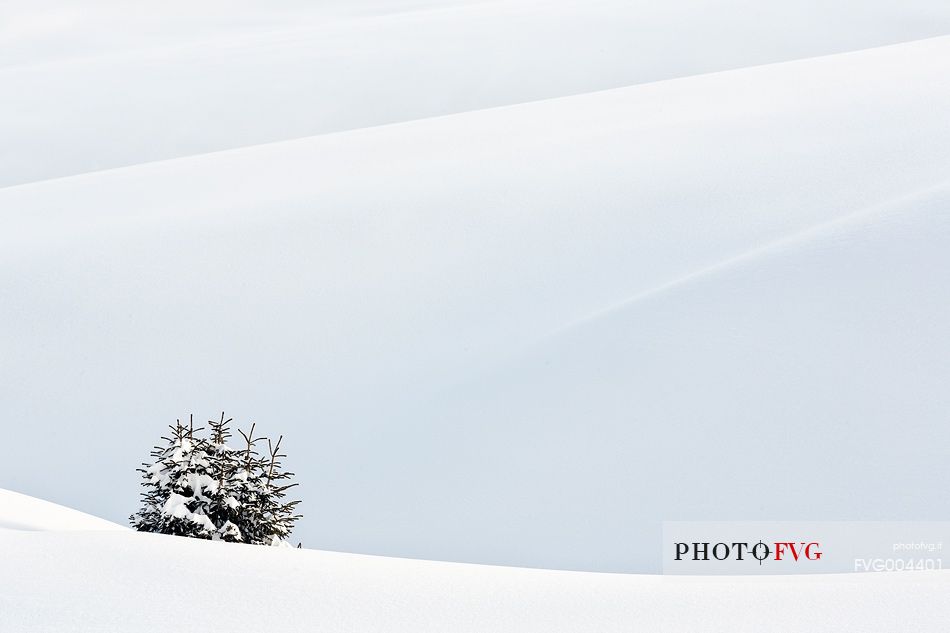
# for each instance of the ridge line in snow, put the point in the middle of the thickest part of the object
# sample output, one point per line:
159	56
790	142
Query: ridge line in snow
811	233
520	104
21	512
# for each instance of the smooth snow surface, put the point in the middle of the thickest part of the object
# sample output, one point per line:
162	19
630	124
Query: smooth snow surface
21	512
499	336
54	580
134	582
107	83
522	334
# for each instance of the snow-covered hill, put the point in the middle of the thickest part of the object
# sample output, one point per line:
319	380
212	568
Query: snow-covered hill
131	582
509	329
517	280
111	83
21	512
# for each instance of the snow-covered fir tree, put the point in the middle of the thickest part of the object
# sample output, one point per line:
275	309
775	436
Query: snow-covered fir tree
174	501
201	487
268	517
223	507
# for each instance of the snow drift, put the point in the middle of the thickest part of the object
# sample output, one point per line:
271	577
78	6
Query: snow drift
113	84
133	582
513	278
538	305
21	512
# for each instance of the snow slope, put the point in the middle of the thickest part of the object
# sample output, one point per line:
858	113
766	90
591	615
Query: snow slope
509	330
111	83
21	512
54	581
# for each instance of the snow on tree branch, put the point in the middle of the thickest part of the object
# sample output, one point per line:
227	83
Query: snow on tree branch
199	486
